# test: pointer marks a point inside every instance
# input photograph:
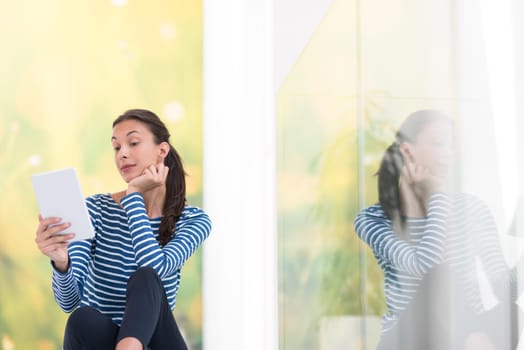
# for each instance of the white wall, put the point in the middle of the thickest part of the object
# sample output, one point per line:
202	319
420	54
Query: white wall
240	273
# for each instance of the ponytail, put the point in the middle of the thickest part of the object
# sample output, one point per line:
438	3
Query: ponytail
175	196
388	180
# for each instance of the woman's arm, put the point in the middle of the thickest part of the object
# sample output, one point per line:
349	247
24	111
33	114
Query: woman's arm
415	259
192	229
68	285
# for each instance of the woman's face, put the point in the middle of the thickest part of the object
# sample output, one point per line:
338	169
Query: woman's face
135	149
433	148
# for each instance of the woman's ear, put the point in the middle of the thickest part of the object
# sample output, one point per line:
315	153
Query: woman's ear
405	150
164	149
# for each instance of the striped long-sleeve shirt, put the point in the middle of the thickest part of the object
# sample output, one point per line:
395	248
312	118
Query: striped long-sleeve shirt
125	240
456	230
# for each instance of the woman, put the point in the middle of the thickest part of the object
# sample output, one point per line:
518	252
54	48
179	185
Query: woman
121	285
426	240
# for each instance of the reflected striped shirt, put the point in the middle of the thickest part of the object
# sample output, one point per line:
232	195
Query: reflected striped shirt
126	239
456	231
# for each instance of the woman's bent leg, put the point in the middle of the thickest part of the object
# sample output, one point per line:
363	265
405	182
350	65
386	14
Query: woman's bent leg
148	316
88	329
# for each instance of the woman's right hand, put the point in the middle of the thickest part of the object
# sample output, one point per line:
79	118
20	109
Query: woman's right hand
52	244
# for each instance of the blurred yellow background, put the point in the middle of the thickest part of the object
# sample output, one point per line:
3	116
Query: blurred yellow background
68	70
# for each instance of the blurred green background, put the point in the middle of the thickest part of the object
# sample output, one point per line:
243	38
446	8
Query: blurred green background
68	69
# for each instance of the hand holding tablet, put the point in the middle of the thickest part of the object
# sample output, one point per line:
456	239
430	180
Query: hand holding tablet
58	194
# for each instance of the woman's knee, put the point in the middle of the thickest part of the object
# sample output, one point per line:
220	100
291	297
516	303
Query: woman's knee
80	317
144	275
87	328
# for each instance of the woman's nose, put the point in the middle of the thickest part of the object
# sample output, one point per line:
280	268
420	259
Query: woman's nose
122	153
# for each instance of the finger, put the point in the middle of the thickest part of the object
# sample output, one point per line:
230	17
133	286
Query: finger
53	230
405	173
45	223
50	220
417	172
166	172
409	171
160	167
48	247
52	242
62	238
46	238
158	174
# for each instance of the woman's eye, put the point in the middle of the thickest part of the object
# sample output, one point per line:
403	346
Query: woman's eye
134	143
116	149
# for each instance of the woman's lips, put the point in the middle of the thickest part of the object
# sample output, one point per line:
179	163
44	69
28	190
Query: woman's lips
126	168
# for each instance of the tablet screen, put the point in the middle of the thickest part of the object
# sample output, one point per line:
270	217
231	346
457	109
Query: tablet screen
58	193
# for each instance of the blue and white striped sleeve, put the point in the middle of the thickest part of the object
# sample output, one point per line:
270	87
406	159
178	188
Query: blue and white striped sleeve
414	259
68	286
192	229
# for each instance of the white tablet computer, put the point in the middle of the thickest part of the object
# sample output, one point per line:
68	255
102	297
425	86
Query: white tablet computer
58	194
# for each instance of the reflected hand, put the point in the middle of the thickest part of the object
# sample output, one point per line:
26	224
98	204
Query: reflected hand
53	244
422	180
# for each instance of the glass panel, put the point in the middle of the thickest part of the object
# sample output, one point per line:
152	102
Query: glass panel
319	262
339	110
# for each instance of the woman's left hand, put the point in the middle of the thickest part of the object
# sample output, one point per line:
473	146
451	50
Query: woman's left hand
153	176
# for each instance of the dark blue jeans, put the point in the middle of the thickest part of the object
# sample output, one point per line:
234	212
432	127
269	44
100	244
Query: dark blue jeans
147	317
